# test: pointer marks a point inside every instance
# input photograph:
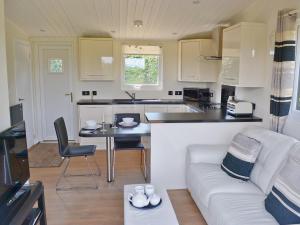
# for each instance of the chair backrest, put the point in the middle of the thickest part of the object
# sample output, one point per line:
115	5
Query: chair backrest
119	118
62	135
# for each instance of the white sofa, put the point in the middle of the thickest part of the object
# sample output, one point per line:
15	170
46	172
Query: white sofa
224	200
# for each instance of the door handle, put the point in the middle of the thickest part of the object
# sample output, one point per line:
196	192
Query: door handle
71	96
21	99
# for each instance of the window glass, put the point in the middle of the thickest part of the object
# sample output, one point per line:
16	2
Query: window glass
142	67
55	65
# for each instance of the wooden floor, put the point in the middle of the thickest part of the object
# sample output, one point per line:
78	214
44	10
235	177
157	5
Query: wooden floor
104	206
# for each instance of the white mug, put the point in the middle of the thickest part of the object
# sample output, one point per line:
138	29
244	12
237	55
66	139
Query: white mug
149	189
139	189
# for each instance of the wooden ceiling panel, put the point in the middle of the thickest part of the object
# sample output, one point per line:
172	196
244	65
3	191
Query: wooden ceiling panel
162	19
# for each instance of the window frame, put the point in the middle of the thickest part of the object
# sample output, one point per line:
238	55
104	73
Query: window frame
141	87
56	72
294	112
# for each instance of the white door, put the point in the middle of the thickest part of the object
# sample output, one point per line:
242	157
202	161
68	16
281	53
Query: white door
56	92
23	76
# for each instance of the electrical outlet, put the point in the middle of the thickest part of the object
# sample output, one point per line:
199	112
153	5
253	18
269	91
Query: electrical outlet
178	92
85	93
94	93
170	92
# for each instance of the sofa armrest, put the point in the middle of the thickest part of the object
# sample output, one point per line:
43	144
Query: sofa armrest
206	153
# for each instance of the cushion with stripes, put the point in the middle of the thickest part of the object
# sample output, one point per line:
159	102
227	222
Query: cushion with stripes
241	157
283	202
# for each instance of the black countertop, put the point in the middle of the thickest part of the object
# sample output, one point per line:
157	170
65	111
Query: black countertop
128	101
206	116
216	115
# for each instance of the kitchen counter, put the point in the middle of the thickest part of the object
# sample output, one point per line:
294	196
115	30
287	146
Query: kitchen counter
128	101
215	115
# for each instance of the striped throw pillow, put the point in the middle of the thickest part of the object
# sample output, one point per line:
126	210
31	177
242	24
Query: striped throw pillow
241	156
283	202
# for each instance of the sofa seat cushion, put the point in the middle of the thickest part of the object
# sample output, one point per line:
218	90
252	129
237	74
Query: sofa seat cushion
237	209
205	180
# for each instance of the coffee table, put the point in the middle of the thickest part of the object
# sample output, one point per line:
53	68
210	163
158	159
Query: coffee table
162	215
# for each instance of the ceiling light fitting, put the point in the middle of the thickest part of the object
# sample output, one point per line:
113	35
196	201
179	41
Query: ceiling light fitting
138	23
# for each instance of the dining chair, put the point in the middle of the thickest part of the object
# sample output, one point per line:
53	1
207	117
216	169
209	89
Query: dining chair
68	152
129	143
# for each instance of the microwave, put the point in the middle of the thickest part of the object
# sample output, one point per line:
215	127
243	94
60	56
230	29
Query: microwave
196	94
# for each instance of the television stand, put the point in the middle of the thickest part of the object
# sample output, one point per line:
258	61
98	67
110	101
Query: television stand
23	210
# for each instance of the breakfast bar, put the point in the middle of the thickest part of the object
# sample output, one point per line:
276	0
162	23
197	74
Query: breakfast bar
171	133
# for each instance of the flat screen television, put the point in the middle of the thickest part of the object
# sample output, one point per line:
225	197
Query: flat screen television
14	166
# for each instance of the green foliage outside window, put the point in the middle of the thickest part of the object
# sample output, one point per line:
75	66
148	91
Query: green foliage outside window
141	69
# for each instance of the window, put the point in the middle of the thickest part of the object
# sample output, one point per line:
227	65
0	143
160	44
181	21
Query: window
55	65
142	68
296	96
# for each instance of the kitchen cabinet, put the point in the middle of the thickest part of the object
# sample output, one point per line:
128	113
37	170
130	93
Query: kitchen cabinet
176	108
94	112
193	64
96	58
244	54
156	108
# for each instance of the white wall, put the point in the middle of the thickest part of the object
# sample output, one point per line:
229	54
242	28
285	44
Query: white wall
13	33
4	99
112	89
264	11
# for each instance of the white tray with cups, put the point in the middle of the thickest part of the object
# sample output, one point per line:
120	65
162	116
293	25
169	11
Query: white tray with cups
144	197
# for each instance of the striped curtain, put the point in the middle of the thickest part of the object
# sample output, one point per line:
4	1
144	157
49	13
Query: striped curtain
284	66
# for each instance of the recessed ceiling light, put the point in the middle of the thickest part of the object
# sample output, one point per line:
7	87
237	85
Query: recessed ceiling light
138	23
113	31
196	2
174	33
42	30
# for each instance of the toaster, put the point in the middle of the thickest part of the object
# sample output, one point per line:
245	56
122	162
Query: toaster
239	108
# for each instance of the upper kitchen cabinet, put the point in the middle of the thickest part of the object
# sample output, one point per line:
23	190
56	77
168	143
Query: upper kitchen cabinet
96	58
194	61
244	54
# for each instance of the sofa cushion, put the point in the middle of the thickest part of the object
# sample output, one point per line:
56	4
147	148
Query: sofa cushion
239	209
283	202
205	180
271	157
241	156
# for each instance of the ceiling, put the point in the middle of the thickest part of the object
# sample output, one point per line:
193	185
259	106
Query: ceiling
162	19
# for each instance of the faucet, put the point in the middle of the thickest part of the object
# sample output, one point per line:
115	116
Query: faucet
132	95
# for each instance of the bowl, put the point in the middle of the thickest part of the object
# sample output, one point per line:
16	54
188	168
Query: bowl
128	120
91	123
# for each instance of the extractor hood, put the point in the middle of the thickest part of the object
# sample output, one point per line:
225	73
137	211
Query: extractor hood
217	37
